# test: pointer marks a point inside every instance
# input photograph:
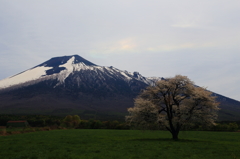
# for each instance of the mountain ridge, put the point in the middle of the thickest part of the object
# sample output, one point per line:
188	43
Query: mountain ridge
64	66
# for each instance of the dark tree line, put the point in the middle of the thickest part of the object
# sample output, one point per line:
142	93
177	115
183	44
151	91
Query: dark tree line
75	122
33	120
70	121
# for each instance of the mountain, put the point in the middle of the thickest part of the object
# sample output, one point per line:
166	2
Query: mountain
71	84
73	69
74	85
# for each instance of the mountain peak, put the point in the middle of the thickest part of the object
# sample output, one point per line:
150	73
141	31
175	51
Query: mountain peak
57	61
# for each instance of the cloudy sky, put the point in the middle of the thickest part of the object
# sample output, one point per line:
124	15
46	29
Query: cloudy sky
196	38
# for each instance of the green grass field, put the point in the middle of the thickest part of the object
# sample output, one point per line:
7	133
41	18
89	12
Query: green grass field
126	144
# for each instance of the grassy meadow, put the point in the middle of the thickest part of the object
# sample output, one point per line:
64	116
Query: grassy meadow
126	144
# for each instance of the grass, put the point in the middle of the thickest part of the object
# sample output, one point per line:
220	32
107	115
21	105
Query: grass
117	144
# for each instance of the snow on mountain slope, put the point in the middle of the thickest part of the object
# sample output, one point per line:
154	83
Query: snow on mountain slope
68	69
26	76
61	68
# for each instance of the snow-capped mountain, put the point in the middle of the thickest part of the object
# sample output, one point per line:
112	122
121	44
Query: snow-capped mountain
61	68
70	84
73	85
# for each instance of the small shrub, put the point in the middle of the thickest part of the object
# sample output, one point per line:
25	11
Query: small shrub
9	131
46	128
3	131
232	126
38	129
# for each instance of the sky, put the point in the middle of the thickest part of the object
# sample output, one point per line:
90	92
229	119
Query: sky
162	38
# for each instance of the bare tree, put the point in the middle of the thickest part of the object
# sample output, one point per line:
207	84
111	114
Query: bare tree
173	103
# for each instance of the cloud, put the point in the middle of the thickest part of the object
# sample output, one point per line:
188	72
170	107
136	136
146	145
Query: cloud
126	45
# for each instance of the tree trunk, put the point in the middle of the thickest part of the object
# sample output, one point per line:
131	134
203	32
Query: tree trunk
175	135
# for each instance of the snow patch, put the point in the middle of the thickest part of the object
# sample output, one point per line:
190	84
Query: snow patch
26	76
124	74
69	69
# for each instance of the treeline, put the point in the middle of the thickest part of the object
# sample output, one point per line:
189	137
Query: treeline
219	126
70	121
97	124
74	121
226	126
33	120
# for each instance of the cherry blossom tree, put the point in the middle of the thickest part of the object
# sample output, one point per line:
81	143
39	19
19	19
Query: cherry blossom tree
173	103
